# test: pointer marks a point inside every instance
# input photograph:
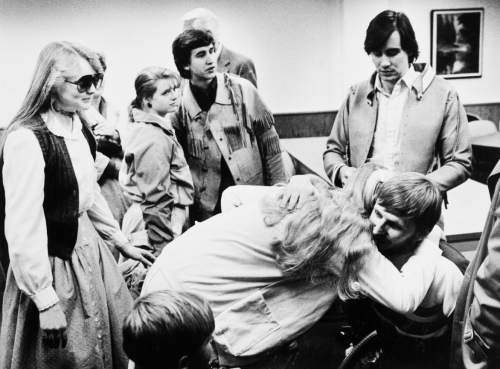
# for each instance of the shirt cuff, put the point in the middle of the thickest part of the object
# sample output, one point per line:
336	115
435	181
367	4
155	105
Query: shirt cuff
139	238
119	239
45	298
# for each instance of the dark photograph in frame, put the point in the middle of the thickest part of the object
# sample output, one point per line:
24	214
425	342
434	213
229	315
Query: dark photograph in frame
456	42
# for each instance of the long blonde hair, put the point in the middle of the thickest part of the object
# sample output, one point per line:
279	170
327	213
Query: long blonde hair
362	186
326	238
51	63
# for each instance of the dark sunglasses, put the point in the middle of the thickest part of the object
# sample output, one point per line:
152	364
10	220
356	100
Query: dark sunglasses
85	83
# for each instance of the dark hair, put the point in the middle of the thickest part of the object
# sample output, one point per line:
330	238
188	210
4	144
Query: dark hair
145	84
383	25
164	326
414	197
187	41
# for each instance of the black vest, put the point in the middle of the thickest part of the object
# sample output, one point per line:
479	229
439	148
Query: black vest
60	202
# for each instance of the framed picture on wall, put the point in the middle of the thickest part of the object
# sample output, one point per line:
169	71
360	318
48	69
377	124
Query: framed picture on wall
457	42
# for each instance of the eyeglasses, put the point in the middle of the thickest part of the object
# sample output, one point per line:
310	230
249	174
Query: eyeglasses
85	83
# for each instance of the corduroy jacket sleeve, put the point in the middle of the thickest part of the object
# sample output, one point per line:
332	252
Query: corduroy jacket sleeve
337	145
455	153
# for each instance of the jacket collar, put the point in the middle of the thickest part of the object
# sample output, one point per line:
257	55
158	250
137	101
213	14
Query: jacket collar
141	116
222	97
425	77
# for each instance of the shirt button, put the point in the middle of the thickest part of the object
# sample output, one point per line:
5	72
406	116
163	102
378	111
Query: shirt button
220	139
228	158
237	179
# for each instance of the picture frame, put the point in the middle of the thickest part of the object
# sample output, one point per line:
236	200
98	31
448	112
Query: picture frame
457	42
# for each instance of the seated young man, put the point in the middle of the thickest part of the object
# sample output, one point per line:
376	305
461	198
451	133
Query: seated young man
270	276
169	329
419	339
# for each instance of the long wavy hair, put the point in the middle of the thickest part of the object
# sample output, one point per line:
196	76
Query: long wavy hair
328	237
53	61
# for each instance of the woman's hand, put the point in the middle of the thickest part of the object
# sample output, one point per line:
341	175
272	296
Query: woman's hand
98	123
53	325
297	191
136	253
106	130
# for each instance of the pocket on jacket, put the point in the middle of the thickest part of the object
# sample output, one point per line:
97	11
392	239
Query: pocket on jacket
234	137
245	324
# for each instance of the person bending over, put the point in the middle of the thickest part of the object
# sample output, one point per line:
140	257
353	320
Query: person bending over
270	274
402	212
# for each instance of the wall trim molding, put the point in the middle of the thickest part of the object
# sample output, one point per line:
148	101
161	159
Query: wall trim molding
319	123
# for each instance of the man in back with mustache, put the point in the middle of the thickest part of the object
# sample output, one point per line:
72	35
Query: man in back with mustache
404	117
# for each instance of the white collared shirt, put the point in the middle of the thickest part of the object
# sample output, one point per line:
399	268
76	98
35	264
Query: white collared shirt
25	225
386	143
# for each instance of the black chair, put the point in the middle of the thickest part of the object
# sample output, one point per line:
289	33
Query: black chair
471	117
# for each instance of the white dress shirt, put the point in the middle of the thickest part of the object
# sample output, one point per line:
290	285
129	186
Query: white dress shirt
389	119
25	226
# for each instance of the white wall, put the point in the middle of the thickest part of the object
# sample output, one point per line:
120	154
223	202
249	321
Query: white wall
307	52
293	44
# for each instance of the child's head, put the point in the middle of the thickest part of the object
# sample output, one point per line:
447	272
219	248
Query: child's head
170	328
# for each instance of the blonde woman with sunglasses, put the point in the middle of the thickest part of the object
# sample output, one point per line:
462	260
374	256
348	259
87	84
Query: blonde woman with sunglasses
64	300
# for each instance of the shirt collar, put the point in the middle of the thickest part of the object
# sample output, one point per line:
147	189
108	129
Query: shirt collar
222	97
60	127
410	76
141	116
408	79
